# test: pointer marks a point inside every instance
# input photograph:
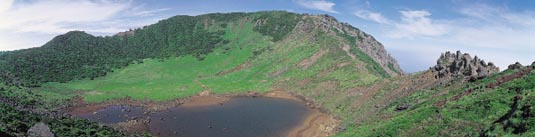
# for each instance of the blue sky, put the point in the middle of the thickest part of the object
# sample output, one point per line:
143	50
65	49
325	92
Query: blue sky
415	32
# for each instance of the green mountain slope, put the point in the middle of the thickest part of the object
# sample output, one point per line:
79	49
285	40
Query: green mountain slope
77	55
184	55
164	62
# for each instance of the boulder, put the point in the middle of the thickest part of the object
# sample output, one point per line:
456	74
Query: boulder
40	130
402	107
517	65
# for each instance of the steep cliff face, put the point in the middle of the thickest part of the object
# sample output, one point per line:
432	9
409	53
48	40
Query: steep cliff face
359	39
453	65
377	51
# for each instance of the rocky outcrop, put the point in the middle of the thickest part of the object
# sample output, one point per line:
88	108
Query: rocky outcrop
455	65
359	39
517	65
40	130
126	33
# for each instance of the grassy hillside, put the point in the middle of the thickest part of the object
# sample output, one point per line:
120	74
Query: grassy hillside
175	77
250	61
459	109
78	55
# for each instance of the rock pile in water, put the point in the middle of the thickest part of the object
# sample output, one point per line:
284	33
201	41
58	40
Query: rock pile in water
454	65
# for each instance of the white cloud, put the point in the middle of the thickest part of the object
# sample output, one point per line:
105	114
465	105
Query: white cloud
496	34
494	27
5	5
51	16
372	16
150	12
495	37
479	11
322	5
480	26
48	18
416	23
498	15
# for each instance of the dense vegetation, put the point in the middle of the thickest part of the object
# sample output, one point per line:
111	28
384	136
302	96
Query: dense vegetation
164	82
21	109
15	123
277	25
77	55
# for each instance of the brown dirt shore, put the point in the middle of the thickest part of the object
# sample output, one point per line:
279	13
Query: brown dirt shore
317	124
201	99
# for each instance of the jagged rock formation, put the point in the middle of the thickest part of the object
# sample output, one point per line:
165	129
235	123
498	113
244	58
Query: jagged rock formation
453	65
40	130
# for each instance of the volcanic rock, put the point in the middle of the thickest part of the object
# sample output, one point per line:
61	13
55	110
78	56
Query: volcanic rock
454	65
402	107
517	65
363	41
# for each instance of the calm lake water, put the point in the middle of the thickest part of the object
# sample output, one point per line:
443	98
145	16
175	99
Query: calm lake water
114	114
238	117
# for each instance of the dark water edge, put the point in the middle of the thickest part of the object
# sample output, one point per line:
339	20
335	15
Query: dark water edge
2	134
238	117
114	114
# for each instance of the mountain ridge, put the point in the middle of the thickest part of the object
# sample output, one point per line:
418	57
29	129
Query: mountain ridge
154	41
